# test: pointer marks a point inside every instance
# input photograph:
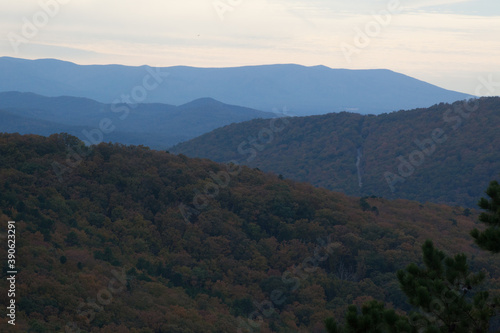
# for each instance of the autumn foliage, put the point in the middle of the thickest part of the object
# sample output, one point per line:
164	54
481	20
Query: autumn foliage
103	246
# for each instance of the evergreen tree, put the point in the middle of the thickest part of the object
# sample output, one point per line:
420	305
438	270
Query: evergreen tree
374	318
446	293
489	239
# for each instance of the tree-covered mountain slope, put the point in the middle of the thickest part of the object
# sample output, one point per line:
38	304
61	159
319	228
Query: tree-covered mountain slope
447	153
115	238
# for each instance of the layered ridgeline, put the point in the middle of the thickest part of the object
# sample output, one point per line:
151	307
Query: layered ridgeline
116	239
444	154
300	90
155	125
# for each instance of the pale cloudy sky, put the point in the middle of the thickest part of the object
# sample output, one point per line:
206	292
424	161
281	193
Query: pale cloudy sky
450	43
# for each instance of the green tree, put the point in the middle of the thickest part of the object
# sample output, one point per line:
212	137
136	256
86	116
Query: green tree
374	318
72	239
489	239
446	293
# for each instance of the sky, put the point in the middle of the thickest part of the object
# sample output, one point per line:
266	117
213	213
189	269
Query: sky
450	43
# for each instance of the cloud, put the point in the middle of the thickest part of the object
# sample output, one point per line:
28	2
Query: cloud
416	4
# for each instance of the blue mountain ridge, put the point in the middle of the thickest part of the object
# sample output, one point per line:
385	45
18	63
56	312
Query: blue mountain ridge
284	88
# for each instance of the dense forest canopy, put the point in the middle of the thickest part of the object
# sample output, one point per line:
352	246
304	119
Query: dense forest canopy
115	238
447	153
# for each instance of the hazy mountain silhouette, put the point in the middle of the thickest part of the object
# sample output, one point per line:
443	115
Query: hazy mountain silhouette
300	90
155	125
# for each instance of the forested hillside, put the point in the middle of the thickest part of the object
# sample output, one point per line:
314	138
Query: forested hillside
117	238
443	154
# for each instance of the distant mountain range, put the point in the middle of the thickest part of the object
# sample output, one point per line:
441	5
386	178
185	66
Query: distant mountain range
444	154
154	125
292	89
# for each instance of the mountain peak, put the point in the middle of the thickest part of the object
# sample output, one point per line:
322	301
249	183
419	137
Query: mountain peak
201	102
